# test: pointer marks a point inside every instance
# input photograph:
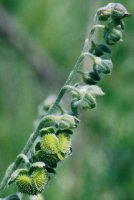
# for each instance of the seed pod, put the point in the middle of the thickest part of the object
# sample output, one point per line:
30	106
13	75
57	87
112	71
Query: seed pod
50	144
50	160
64	143
112	36
25	185
39	179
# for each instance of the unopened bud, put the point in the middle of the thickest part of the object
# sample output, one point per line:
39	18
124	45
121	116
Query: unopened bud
115	10
67	121
112	36
86	99
118	11
99	49
103	65
103	14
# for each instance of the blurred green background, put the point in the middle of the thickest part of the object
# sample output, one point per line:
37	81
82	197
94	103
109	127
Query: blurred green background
102	164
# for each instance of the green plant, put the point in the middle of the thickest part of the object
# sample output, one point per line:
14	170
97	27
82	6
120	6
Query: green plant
50	142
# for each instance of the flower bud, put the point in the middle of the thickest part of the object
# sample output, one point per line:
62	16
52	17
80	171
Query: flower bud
88	102
103	65
118	11
86	97
87	79
48	121
67	121
99	49
95	50
61	122
50	144
95	76
103	14
115	10
112	36
104	48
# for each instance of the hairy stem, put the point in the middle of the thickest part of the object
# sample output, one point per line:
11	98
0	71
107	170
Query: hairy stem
34	135
68	82
110	40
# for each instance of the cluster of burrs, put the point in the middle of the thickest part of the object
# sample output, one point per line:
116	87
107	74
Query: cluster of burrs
52	146
53	143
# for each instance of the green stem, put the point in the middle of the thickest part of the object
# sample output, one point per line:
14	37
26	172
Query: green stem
67	86
68	82
34	135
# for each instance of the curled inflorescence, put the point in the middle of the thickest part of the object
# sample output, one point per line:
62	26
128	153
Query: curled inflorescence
53	143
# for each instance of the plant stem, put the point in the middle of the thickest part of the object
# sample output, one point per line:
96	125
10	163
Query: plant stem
68	82
34	135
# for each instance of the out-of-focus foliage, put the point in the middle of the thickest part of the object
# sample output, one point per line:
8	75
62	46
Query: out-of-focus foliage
102	164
